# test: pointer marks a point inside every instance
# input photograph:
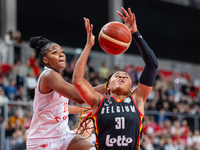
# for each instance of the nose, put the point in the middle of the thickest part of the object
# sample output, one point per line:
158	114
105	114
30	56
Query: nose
61	54
121	77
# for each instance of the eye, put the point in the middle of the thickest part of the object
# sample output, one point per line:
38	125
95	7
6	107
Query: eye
63	52
55	52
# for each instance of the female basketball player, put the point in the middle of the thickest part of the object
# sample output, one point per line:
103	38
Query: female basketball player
119	120
49	128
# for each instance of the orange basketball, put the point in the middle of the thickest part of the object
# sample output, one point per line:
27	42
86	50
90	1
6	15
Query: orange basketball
115	38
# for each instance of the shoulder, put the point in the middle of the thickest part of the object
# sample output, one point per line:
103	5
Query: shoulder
50	74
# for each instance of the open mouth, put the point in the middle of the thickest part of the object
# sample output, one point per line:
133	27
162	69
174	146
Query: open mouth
120	80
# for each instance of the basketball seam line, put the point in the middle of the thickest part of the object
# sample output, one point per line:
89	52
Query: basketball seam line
114	41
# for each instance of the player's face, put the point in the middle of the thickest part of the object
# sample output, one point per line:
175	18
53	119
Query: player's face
120	82
55	58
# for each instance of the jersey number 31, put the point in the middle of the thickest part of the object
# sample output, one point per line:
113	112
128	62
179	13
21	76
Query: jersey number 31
120	123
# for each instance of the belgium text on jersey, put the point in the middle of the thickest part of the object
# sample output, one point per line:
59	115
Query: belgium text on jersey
117	109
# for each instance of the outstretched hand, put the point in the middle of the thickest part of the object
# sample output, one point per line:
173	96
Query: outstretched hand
129	19
89	28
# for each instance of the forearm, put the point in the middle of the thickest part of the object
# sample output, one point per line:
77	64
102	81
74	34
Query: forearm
75	109
151	63
79	70
146	52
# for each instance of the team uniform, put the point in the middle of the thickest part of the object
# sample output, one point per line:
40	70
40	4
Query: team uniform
118	124
49	125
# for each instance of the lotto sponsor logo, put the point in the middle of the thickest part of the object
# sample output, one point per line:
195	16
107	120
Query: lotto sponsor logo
120	141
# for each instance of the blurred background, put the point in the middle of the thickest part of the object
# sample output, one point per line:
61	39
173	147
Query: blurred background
170	27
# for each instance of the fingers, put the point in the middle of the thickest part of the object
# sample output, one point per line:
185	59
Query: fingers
88	27
125	12
87	24
130	12
91	28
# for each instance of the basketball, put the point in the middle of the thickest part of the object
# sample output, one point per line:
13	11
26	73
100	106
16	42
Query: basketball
115	38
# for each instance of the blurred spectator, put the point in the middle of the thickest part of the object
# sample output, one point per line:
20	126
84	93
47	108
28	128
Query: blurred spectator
73	63
17	45
3	52
104	70
189	141
15	121
196	137
31	82
8	37
28	67
133	74
19	72
22	146
161	116
11	89
160	82
184	130
67	73
32	59
17	137
3	97
169	144
21	95
37	69
90	67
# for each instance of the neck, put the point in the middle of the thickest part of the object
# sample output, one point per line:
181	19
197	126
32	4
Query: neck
119	96
48	68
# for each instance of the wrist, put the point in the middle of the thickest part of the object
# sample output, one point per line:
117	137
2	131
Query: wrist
136	35
133	32
88	45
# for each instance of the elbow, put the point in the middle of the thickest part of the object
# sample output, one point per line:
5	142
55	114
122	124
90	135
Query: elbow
154	58
76	80
81	102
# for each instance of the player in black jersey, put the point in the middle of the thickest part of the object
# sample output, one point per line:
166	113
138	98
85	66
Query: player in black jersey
118	120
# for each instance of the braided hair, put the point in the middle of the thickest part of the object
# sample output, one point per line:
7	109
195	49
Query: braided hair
40	45
84	121
107	81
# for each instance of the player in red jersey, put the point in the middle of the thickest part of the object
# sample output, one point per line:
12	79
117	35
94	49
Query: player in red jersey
49	126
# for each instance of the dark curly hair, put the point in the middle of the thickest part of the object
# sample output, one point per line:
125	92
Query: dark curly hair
39	44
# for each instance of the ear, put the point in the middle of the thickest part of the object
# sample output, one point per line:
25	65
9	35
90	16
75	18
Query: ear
131	90
108	90
45	60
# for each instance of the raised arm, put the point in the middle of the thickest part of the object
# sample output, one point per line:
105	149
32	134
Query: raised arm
148	75
52	80
83	87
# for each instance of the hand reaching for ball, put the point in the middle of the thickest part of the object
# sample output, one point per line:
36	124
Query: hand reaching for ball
90	36
129	19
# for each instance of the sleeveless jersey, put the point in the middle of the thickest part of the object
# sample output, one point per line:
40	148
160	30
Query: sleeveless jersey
118	124
50	116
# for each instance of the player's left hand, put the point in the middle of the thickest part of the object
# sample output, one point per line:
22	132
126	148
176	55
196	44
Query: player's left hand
129	19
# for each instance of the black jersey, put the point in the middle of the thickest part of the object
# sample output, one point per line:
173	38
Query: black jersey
118	124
